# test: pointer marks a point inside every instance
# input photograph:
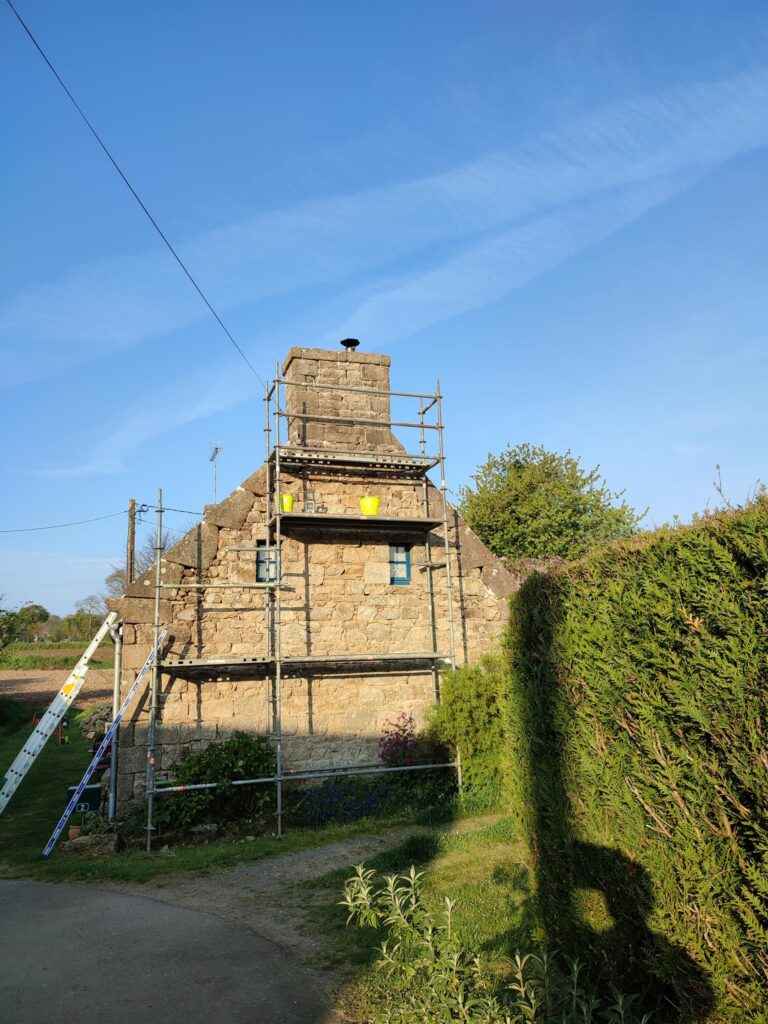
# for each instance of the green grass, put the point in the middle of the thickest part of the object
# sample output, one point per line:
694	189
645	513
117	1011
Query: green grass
21	662
55	645
38	803
477	868
487	871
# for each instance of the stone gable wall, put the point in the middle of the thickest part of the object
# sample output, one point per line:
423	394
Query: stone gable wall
341	601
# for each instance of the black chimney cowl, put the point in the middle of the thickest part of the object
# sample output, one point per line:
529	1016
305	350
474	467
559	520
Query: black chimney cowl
350	343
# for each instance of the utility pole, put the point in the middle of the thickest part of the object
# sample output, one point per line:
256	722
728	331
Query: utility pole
216	449
130	559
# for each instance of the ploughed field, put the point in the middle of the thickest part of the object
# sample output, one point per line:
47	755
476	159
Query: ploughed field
39	686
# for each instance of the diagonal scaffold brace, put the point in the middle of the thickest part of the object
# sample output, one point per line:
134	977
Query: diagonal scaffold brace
47	725
103	746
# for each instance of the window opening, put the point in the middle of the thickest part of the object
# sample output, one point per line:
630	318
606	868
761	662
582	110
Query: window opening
266	563
399	564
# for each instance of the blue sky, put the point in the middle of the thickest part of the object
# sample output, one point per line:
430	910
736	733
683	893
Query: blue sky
558	209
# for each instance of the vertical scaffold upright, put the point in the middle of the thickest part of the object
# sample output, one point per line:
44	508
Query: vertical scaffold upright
154	692
407	468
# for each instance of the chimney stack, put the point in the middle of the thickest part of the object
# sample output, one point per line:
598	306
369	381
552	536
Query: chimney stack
345	378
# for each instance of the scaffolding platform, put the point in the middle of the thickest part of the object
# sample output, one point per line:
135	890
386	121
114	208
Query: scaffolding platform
259	666
398	465
293	521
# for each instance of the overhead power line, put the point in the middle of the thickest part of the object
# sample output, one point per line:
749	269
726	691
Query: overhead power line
97	519
61	526
135	194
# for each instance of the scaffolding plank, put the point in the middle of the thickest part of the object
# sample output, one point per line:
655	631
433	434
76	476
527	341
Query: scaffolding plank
332	521
350	461
264	664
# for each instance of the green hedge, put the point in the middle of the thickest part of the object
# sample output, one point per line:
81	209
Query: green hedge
470	718
638	760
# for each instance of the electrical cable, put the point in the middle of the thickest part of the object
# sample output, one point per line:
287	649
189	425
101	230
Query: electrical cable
167	508
135	194
61	526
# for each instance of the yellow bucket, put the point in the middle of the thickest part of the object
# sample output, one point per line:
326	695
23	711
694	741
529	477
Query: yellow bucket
286	502
370	506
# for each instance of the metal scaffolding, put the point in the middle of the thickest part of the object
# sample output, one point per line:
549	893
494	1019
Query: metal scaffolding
302	460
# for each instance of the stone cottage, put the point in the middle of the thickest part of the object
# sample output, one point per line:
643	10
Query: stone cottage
355	613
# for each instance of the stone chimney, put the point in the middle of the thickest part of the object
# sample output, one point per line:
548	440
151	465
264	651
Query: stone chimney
337	370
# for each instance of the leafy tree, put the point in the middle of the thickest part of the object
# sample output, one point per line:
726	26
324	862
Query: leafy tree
9	627
90	606
71	627
528	502
30	619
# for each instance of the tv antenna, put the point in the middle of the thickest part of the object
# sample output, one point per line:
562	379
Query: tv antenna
216	450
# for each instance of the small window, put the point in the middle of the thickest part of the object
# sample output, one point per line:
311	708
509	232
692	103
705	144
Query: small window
399	564
265	563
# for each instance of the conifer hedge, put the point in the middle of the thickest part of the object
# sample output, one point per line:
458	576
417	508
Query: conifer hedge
637	757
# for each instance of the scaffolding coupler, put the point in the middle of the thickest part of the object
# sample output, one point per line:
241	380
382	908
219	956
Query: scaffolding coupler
47	725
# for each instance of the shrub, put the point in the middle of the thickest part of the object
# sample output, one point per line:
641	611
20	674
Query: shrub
638	723
240	757
434	979
470	718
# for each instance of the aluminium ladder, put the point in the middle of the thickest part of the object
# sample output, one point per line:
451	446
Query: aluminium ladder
102	748
58	707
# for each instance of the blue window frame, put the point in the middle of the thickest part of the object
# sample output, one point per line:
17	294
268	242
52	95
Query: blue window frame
265	563
399	564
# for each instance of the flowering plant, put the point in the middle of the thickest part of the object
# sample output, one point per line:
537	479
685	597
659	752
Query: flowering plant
398	742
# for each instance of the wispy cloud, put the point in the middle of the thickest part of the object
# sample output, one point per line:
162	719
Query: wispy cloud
693	450
651	144
509	260
195	397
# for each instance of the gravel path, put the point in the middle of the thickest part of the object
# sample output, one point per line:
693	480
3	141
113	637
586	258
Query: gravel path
268	896
38	686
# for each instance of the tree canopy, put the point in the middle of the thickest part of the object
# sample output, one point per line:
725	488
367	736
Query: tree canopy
9	626
528	502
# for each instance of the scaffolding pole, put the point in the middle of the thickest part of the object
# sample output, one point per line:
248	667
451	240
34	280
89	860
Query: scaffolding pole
269	604
155	685
278	511
428	566
315	773
117	637
444	493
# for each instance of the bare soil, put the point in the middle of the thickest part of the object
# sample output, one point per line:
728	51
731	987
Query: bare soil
38	687
102	653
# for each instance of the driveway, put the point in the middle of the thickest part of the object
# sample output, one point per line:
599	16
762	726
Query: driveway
75	955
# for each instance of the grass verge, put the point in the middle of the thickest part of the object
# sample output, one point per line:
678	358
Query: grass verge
35	662
38	803
486	870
